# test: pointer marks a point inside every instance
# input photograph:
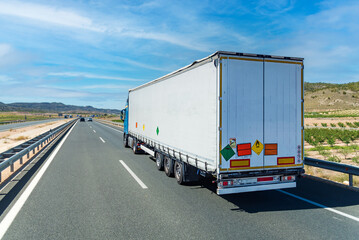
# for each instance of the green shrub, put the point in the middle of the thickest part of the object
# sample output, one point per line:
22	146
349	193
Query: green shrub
324	125
331	140
345	152
340	124
334	159
349	124
325	154
315	124
333	125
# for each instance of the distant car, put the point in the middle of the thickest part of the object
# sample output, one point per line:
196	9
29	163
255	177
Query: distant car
82	119
90	120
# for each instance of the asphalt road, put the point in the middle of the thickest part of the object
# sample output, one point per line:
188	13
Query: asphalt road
87	193
6	127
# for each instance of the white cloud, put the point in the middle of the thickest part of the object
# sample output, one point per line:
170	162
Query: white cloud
4	49
92	76
47	14
271	8
142	65
5	79
107	86
119	26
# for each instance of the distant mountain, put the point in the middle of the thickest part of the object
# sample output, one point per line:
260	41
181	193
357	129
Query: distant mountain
54	107
329	96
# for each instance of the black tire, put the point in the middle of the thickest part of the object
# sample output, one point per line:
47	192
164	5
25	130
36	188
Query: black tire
179	172
125	140
134	146
159	161
168	166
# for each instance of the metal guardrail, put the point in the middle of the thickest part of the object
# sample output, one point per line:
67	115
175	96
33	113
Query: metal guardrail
9	157
338	167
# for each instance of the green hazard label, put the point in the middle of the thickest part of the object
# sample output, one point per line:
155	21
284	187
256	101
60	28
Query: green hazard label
227	152
157	131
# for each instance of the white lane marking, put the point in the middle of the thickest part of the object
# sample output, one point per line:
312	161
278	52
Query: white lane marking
94	131
10	216
110	127
320	205
102	139
133	175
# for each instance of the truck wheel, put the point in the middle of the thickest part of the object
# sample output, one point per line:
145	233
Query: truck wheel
178	172
159	161
168	166
125	140
134	147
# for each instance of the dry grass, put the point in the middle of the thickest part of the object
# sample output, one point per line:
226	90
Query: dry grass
5	136
21	138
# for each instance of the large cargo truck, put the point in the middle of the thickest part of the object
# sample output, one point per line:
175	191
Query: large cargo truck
233	116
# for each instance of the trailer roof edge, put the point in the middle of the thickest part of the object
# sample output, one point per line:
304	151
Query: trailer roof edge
212	57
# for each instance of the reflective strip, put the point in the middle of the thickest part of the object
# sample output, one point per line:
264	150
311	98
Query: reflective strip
240	163
220	111
285	160
278	61
273	166
246	59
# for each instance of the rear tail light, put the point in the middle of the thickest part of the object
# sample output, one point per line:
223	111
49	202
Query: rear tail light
288	178
227	183
265	179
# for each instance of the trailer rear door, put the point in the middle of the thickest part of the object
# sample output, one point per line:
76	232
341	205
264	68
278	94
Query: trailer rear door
282	113
260	113
242	113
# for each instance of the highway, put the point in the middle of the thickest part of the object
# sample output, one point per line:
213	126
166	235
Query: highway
6	127
94	188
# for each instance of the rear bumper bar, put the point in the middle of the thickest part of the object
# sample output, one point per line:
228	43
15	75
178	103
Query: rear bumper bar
253	188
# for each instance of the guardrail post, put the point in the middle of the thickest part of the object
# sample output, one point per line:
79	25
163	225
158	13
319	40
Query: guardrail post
21	160
12	167
351	180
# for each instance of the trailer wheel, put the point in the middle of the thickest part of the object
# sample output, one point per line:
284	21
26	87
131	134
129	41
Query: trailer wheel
168	166
125	140
159	161
178	172
134	146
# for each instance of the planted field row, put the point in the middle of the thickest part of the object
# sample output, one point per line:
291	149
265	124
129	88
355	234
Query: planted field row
318	136
339	124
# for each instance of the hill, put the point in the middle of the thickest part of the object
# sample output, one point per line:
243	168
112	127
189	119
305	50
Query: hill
331	97
53	107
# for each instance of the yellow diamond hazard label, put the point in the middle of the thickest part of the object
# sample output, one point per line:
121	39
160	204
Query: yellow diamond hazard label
257	147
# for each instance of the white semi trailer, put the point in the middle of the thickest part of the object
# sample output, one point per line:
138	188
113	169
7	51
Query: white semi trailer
233	116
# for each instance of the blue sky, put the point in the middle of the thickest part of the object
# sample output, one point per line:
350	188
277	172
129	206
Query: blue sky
91	52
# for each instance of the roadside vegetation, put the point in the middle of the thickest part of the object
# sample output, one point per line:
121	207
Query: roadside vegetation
336	145
10	117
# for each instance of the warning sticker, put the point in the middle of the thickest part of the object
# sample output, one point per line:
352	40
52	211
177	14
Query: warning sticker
232	142
257	147
227	152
